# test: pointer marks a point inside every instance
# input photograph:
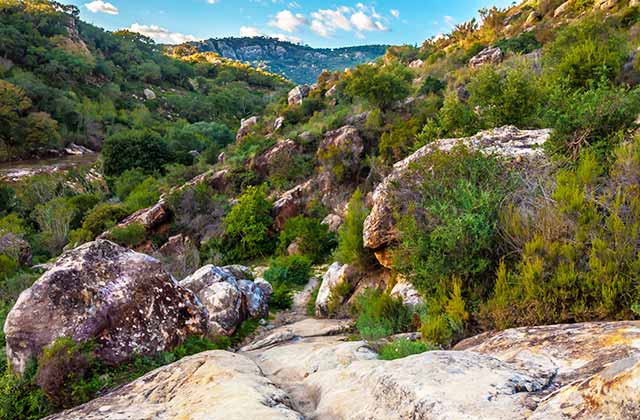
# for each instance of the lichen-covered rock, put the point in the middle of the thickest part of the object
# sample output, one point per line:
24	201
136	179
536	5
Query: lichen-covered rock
335	275
333	222
401	188
245	127
292	203
215	385
562	9
229	300
416	64
298	94
180	255
149	94
15	247
273	159
487	56
277	124
343	146
407	292
123	300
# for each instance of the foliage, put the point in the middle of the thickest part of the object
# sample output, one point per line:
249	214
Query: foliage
379	315
102	217
132	149
311	236
129	236
54	219
401	348
351	248
281	297
293	270
382	86
524	43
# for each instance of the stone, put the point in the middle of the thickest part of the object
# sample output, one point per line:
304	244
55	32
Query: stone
278	123
273	159
562	9
342	147
298	94
333	222
401	187
15	247
292	203
294	248
229	300
335	275
606	4
149	94
416	64
215	385
180	255
100	291
407	292
245	127
332	91
151	218
487	56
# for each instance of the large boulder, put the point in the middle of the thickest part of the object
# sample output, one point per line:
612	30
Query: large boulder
298	94
343	146
336	275
215	385
273	159
401	188
180	255
100	291
292	203
229	300
246	125
15	247
487	56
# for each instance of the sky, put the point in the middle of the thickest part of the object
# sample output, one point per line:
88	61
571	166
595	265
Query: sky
318	23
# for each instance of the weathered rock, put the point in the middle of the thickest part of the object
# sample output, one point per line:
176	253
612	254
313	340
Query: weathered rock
401	187
335	275
407	292
292	203
416	64
463	93
332	91
215	385
532	19
245	127
298	94
606	4
123	300
180	255
150	218
487	56
15	247
333	222
229	300
562	9
273	159
278	123
149	94
340	154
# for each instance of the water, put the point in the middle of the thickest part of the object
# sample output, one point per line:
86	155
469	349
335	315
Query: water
16	171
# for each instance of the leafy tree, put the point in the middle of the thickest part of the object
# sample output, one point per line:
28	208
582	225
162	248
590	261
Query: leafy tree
351	248
311	236
382	86
131	149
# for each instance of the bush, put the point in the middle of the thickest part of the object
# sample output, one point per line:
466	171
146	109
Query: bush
8	266
21	398
351	248
312	237
248	232
124	184
54	219
293	270
103	217
129	236
132	149
379	315
524	43
432	85
401	348
145	194
382	86
281	297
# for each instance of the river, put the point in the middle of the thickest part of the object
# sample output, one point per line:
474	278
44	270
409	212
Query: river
15	171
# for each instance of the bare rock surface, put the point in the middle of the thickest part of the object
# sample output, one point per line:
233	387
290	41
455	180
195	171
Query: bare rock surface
335	275
214	385
122	299
401	187
15	247
245	127
298	94
487	56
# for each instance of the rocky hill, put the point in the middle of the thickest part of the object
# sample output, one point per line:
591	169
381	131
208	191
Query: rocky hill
299	63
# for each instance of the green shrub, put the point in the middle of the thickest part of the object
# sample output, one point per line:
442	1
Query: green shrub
432	85
82	203
379	315
293	270
54	220
132	149
382	86
337	297
129	236
281	297
145	194
21	398
248	232
456	118
13	223
312	237
124	184
311	304
103	217
446	316
523	43
351	248
401	348
8	266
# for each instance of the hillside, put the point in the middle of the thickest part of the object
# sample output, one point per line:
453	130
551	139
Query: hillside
63	81
452	230
300	63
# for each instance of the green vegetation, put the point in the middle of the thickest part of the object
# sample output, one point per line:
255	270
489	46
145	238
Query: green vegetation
402	347
312	238
379	315
350	242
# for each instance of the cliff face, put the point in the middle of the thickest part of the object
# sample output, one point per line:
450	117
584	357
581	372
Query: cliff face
300	63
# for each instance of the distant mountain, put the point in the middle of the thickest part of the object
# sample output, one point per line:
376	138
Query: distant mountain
299	63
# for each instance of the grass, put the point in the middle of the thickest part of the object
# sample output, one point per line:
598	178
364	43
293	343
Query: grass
402	348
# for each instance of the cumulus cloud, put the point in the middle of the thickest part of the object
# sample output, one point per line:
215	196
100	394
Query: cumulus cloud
99	6
288	21
362	18
395	13
161	35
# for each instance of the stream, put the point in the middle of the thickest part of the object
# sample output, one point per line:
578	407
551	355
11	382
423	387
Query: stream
16	171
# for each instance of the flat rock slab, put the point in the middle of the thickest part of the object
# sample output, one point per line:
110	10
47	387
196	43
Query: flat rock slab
303	329
209	386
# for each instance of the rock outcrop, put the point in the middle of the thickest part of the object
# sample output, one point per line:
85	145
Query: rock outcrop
487	56
298	94
245	127
401	187
229	300
123	300
15	247
273	159
292	203
407	292
335	275
212	385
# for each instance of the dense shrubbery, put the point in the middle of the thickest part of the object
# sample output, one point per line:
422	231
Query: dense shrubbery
381	86
351	248
312	238
379	315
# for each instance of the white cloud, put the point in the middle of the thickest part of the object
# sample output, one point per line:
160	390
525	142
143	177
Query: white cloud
326	21
287	21
364	22
161	35
99	6
395	13
250	31
212	1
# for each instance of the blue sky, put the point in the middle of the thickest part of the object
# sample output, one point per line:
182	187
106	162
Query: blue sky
314	22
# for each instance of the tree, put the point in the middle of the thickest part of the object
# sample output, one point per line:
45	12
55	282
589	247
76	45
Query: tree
40	130
351	248
131	149
382	86
13	103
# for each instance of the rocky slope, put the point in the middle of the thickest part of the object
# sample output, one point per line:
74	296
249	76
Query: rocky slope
300	63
